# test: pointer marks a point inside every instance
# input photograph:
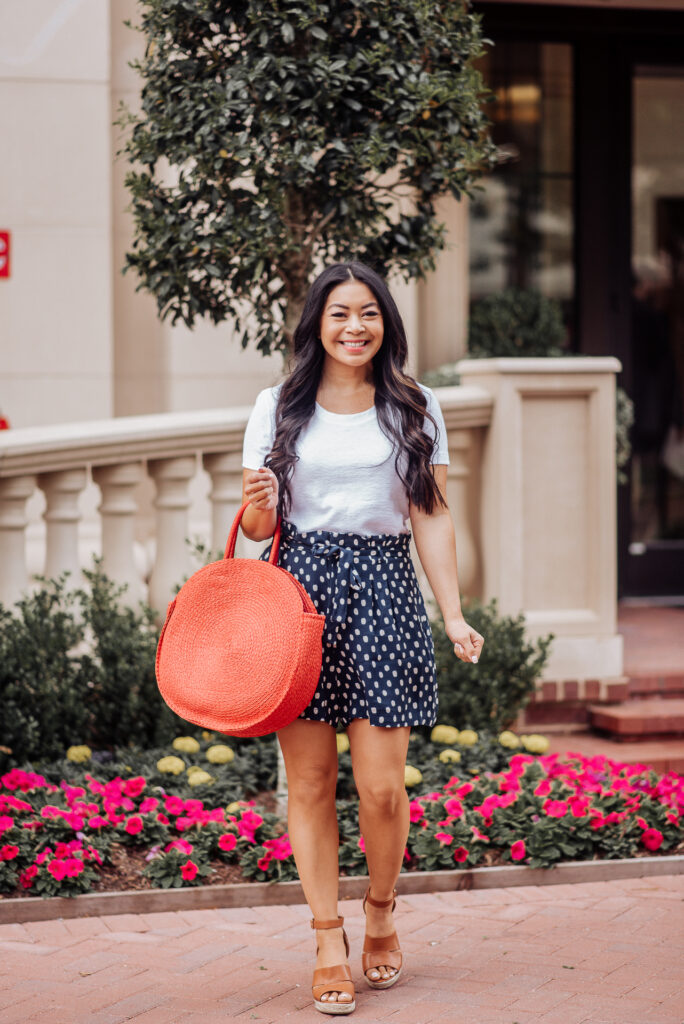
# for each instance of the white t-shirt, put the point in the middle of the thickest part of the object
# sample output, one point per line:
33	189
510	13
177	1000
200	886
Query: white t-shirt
345	479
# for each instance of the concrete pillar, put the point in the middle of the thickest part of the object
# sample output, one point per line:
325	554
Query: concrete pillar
118	509
14	493
62	515
172	562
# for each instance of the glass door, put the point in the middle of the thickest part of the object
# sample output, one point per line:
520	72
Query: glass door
656	499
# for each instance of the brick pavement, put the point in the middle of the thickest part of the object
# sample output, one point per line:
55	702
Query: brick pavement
593	953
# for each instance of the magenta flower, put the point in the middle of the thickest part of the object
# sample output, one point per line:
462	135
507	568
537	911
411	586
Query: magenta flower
415	811
135	786
555	808
134	825
150	803
97	821
263	863
652	839
174	805
73	867
543	789
460	854
57	869
189	870
227	842
453	807
252	820
478	835
9	852
26	877
362	844
518	850
179	844
5	823
444	838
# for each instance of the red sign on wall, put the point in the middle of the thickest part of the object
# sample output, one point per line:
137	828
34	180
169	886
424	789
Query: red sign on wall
4	254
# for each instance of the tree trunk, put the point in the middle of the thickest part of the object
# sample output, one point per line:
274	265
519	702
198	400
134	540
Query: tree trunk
296	265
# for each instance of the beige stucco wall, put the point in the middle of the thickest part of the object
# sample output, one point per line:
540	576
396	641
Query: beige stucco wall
76	340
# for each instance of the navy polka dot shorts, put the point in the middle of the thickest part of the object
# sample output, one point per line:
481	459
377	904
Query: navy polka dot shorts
378	655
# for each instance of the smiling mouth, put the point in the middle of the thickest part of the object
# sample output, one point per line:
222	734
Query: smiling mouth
355	345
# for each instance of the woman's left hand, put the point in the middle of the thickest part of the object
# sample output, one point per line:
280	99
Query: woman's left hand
467	641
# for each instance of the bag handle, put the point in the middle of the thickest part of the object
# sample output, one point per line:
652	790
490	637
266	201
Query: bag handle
232	537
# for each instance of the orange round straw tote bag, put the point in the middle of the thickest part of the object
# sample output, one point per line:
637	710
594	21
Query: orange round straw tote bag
241	649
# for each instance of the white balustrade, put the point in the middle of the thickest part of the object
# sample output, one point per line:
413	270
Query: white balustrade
62	490
225	471
14	493
118	509
172	502
457	498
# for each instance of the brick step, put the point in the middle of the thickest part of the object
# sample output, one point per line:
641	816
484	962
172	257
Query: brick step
637	719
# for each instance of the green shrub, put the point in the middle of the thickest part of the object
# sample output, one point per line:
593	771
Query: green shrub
76	667
488	696
515	322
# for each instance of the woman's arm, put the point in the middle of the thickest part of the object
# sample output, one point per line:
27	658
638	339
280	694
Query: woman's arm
260	489
436	545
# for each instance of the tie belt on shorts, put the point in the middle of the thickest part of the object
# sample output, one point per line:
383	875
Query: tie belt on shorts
347	560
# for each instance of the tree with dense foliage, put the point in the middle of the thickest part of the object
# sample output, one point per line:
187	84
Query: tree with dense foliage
276	135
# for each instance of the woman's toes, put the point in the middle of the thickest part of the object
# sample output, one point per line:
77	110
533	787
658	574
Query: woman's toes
373	974
344	997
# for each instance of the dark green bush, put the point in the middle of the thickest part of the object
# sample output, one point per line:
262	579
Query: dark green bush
78	667
489	695
515	322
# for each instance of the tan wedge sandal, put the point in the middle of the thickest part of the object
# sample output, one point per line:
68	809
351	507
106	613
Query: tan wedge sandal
383	950
333	979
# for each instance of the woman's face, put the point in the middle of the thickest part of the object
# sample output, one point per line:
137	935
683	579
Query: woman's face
351	325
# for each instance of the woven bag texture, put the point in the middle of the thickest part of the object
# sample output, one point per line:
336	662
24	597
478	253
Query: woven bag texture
240	651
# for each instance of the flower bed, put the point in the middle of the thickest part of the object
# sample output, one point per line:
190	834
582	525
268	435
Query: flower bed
171	826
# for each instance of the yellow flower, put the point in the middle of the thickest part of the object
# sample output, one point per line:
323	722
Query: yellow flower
535	744
199	777
467	737
220	753
234	807
79	754
224	153
342	741
206	735
449	756
412	776
170	765
186	744
509	739
446	734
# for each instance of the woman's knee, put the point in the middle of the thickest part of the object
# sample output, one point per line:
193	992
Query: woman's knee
312	782
383	797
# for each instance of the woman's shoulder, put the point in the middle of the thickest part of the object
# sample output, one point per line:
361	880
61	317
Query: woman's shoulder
267	399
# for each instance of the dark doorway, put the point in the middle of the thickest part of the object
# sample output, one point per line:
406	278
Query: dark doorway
627	231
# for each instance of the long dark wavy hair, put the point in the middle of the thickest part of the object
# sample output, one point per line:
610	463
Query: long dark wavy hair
399	401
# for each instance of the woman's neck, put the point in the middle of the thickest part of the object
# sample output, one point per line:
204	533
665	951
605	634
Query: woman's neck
346	392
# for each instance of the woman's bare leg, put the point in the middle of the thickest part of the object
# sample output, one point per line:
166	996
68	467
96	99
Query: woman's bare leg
378	760
310	753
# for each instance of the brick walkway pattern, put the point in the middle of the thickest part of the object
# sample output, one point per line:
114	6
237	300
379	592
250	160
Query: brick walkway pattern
594	953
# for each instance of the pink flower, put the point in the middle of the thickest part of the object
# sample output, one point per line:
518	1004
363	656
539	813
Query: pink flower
174	805
26	877
179	844
97	821
135	786
478	835
555	808
150	803
57	869
252	820
5	823
189	870
362	844
460	854
227	842
415	811
263	863
444	838
543	789
518	849
42	857
163	819
134	825
652	839
73	867
453	807
8	852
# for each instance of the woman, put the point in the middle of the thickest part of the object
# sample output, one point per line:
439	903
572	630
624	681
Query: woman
349	449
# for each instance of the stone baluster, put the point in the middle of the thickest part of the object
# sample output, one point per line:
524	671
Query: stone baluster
118	510
225	470
62	489
458	472
14	493
172	562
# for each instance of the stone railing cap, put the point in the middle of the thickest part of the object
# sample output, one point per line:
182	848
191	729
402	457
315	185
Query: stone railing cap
540	364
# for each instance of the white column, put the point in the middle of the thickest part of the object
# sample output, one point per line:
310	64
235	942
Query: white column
118	510
172	562
225	470
457	496
14	493
62	490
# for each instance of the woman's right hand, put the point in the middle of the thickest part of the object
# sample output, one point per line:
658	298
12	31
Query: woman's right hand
261	489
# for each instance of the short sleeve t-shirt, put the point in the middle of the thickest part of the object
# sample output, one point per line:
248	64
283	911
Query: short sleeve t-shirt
345	479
